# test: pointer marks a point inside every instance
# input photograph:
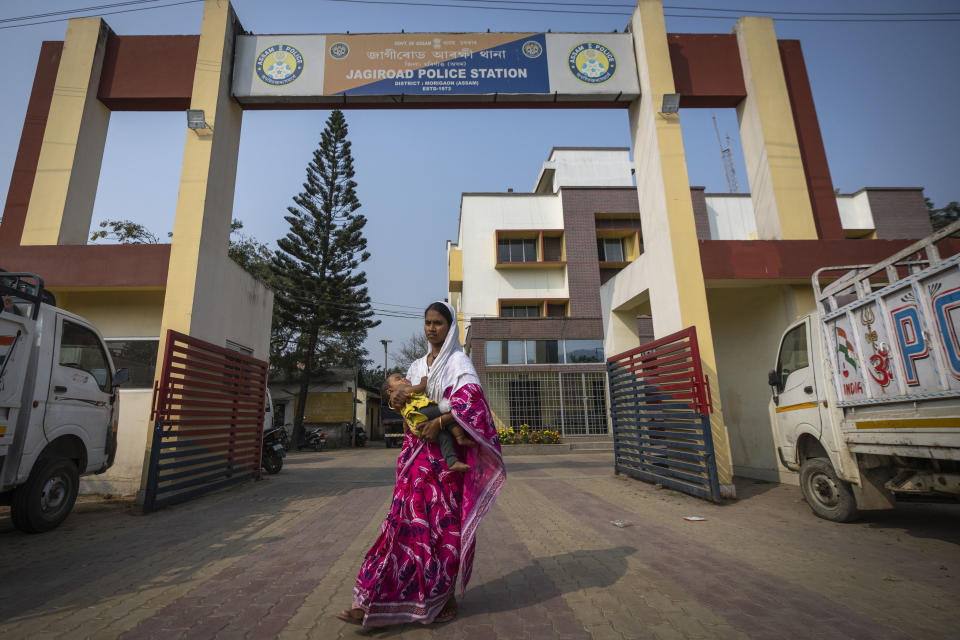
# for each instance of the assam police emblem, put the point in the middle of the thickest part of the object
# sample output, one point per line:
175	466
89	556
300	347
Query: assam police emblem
592	63
339	50
279	64
532	49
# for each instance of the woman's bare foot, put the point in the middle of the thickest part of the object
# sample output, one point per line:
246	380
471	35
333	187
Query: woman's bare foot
353	616
459	466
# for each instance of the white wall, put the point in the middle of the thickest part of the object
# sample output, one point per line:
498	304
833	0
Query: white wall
480	217
621	298
588	168
855	211
133	429
117	314
746	350
232	305
732	218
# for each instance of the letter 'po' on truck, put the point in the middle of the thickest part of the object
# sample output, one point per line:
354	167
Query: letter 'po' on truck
866	390
58	403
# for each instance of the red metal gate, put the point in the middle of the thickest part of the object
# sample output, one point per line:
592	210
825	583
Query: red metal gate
208	421
660	406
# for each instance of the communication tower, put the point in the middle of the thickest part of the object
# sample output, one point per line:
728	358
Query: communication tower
727	158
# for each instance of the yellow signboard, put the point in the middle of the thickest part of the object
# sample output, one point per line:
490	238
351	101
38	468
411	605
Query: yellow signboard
329	406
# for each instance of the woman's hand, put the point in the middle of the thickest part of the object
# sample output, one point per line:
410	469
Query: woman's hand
431	429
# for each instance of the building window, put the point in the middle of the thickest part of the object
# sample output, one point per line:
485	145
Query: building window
501	352
543	351
610	250
517	250
138	356
505	352
582	351
520	311
571	403
556	309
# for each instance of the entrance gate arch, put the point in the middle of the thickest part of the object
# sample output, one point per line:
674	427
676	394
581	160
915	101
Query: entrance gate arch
224	71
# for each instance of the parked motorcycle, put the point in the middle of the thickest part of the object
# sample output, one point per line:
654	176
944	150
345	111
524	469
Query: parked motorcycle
359	435
273	451
284	437
314	439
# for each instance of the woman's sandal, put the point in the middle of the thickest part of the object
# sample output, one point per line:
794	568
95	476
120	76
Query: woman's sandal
350	616
448	613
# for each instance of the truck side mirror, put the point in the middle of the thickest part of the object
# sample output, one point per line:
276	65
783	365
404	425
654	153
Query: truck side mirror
121	376
773	379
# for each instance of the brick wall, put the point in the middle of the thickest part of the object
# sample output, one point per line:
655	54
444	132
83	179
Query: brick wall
580	206
700	217
483	329
645	329
899	213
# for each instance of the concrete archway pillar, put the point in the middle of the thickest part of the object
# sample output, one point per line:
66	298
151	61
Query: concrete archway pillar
68	169
768	133
671	249
199	265
201	229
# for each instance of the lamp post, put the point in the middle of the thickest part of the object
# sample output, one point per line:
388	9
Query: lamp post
385	343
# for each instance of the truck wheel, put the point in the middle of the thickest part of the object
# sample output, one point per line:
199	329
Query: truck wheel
48	496
829	497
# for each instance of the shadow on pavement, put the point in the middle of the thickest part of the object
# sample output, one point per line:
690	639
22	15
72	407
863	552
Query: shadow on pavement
933	521
749	488
532	585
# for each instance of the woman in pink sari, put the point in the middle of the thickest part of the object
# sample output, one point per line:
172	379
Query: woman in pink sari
429	535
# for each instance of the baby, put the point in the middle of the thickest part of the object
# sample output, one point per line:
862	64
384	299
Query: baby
419	409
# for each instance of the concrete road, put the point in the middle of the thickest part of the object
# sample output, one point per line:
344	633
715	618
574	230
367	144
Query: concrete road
278	558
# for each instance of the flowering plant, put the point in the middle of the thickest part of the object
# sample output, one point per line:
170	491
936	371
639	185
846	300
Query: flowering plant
525	434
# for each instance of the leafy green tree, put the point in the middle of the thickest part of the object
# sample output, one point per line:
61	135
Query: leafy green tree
124	232
940	218
251	254
321	299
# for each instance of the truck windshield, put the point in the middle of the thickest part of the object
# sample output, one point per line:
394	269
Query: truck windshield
793	353
80	349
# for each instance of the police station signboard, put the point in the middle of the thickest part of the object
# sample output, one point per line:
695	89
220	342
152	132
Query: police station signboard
424	67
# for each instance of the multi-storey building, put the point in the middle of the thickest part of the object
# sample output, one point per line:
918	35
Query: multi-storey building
525	277
527	271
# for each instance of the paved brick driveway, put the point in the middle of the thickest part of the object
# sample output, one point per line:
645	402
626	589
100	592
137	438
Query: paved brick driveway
278	558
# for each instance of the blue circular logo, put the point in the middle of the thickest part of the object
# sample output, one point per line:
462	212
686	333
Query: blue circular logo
532	49
279	64
339	50
592	63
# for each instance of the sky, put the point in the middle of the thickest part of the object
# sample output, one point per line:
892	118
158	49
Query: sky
887	97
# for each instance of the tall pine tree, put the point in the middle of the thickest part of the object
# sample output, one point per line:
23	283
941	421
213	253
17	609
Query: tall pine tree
321	298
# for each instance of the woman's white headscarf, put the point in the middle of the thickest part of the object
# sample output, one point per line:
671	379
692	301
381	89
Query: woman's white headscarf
451	367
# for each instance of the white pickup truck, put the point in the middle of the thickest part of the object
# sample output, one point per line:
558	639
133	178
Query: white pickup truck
866	390
58	403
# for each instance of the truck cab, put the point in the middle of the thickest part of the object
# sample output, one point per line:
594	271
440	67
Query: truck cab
803	413
58	403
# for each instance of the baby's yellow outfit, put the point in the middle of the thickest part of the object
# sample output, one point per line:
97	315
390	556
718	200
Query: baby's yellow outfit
412	414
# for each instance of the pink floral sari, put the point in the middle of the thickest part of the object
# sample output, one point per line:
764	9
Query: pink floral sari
429	534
